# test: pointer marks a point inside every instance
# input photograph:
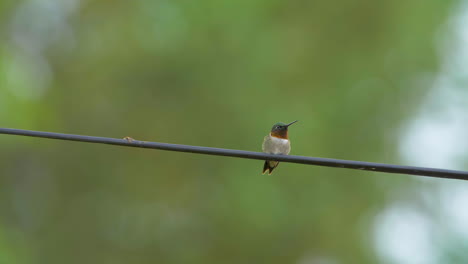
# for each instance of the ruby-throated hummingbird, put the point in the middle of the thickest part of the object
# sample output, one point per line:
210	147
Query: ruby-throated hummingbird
277	142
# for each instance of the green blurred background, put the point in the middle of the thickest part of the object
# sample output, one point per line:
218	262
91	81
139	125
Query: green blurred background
381	81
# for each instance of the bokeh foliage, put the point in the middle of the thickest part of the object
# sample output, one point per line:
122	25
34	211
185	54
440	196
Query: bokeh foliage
209	73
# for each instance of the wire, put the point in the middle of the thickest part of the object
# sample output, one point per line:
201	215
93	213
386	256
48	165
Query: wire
348	164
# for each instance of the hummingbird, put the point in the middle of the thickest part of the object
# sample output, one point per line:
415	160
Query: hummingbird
277	142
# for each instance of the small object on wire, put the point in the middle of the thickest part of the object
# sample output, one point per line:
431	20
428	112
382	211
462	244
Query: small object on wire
129	139
348	164
276	142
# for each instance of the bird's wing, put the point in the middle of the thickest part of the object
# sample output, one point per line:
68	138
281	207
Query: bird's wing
267	144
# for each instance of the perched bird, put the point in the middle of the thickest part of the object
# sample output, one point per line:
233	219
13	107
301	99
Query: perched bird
276	142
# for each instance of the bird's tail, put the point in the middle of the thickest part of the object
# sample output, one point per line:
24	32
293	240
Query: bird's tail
269	166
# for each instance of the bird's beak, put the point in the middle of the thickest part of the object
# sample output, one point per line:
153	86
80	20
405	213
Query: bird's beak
291	123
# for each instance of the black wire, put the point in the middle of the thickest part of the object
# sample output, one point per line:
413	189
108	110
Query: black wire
349	164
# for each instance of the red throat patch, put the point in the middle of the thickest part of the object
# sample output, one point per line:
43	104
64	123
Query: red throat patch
280	134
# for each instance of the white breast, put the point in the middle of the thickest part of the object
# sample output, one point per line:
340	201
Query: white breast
274	145
280	141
